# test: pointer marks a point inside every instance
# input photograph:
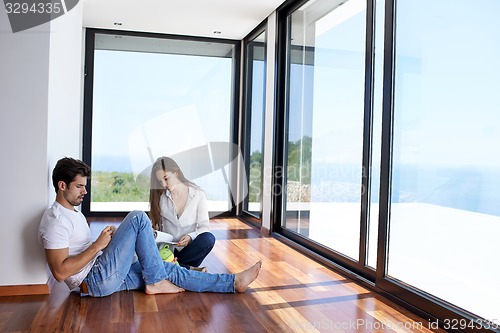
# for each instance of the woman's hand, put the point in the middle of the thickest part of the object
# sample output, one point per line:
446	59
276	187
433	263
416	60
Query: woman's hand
184	241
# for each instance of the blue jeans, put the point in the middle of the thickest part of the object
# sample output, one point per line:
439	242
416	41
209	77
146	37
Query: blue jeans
196	251
115	269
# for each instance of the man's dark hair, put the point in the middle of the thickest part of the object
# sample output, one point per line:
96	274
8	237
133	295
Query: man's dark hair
67	169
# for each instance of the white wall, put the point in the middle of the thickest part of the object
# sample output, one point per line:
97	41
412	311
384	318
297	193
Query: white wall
40	120
65	121
23	150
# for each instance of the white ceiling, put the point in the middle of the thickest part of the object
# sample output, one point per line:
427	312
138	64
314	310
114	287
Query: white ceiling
234	19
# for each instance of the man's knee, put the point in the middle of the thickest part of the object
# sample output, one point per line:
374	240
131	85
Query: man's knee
138	216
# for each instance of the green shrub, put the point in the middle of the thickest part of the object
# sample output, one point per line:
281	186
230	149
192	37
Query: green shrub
118	187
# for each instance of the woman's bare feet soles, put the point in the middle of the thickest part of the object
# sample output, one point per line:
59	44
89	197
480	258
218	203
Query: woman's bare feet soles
163	287
243	279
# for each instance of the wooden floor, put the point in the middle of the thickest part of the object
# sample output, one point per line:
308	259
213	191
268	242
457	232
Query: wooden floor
292	294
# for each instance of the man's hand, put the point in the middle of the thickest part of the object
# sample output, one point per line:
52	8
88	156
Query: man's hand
105	237
184	241
62	265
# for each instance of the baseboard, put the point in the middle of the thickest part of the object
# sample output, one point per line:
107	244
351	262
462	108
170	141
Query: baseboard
22	290
265	232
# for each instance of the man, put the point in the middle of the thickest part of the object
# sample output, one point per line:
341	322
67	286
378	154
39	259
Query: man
107	265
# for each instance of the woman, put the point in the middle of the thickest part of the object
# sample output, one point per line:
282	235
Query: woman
179	207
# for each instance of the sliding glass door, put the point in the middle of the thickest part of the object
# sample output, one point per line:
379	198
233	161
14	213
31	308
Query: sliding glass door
253	123
324	125
389	151
444	208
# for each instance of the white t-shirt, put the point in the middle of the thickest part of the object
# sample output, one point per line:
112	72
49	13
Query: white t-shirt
64	228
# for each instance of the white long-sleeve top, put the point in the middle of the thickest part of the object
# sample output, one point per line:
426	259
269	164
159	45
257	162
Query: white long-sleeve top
193	221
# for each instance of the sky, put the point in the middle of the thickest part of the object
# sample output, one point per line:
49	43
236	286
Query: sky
134	88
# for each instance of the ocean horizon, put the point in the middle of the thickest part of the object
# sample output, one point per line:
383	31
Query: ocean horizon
468	188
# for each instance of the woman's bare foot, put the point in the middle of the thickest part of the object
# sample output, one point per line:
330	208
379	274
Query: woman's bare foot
163	287
199	269
243	279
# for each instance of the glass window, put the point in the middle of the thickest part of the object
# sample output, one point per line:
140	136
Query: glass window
157	97
325	105
254	121
445	212
376	133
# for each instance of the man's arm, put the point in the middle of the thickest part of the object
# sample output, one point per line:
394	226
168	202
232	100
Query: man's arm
62	265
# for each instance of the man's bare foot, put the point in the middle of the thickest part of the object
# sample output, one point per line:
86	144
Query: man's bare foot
243	279
163	287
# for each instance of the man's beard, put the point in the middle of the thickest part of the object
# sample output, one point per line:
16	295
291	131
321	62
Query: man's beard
73	202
